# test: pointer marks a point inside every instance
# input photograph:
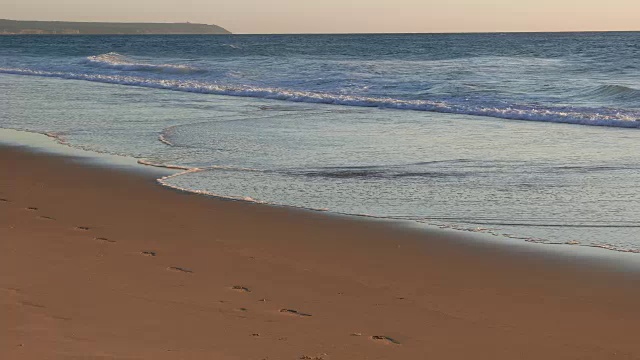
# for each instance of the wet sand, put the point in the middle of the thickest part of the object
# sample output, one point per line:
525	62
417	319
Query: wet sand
101	263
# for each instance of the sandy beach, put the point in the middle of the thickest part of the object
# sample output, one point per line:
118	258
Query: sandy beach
100	263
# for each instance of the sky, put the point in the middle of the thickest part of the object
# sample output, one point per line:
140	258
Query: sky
346	16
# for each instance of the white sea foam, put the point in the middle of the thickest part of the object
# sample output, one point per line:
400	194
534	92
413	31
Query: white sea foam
164	181
568	115
117	61
58	137
164	140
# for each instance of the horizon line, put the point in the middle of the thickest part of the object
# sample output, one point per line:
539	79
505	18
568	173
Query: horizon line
336	33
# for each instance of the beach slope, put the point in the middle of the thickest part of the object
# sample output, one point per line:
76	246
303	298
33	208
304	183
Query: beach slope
101	263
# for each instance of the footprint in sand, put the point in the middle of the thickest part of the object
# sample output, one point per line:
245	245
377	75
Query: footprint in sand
31	304
294	312
148	253
385	340
241	288
180	269
82	228
104	239
307	357
13	291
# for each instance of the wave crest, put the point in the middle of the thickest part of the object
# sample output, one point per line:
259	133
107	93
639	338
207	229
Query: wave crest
614	92
557	114
114	60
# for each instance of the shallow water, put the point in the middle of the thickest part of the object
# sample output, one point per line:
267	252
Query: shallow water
533	180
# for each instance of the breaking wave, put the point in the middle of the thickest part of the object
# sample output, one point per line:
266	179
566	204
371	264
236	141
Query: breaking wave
558	114
117	61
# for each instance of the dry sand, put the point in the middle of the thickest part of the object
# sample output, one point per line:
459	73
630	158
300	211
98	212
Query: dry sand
97	263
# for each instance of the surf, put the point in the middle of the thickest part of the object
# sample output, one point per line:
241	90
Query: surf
566	114
116	61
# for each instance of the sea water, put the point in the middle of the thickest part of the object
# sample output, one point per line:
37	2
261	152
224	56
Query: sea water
523	136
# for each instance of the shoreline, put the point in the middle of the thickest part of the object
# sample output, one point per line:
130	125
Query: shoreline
50	145
97	262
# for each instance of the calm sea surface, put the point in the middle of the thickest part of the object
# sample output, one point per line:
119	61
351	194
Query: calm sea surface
524	136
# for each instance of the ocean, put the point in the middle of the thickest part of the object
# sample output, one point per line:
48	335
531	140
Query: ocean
527	137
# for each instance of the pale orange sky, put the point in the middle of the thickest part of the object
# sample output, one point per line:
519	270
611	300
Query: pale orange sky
346	16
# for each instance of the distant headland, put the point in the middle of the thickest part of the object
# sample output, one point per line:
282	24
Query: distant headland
17	27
